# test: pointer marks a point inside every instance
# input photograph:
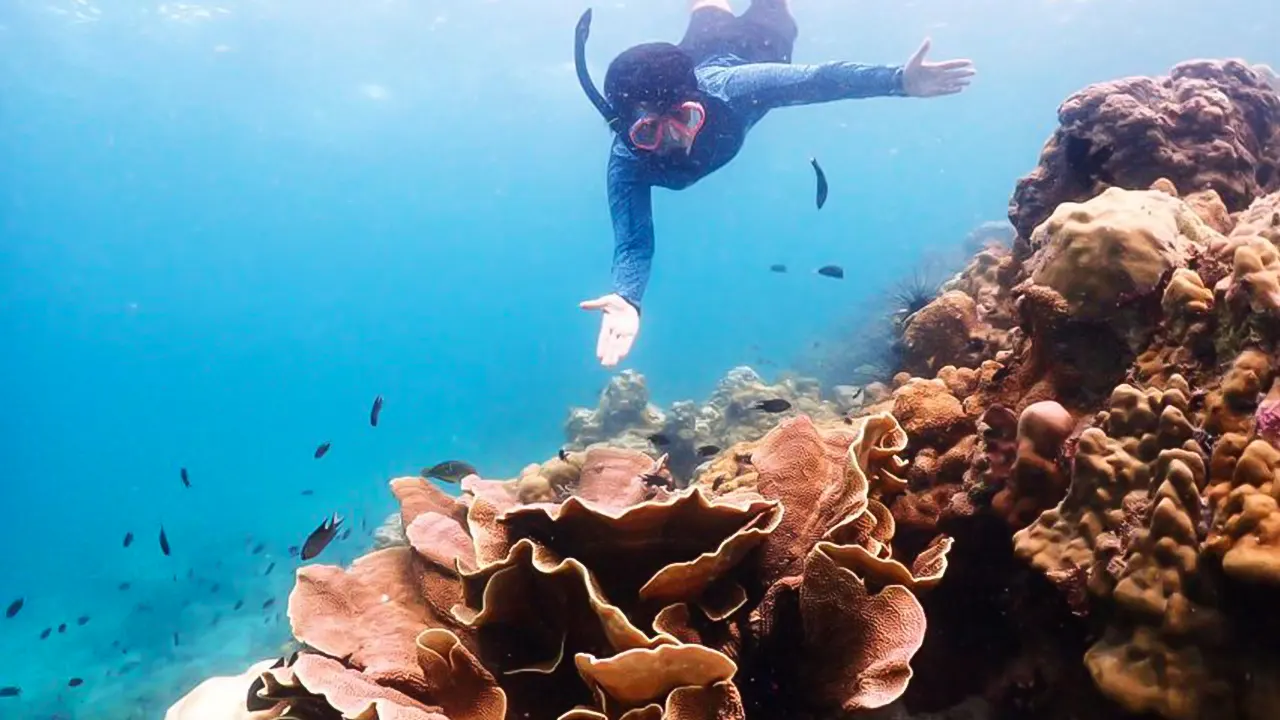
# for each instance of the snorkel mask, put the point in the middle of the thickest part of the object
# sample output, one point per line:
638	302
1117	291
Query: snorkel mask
677	123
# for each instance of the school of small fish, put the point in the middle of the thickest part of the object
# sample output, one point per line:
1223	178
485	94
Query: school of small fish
313	545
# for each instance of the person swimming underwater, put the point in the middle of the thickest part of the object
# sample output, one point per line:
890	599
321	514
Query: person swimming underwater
681	112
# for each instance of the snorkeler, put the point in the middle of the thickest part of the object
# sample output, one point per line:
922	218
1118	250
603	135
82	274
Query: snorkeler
681	112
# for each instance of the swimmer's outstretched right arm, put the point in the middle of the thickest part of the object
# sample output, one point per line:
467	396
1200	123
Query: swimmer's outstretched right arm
630	204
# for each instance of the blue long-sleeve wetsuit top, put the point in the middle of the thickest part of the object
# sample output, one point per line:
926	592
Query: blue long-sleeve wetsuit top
736	95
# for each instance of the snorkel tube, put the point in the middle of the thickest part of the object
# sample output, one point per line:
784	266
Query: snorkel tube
584	77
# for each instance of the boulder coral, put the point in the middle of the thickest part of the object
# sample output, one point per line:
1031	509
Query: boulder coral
623	597
1207	125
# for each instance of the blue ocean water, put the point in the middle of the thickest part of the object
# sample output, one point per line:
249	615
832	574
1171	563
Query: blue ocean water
228	226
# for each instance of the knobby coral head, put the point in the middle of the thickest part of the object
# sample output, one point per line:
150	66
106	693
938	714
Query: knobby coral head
589	588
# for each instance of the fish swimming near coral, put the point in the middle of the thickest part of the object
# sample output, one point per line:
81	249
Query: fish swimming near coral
186	478
164	542
324	448
293	551
82	620
376	411
320	538
128	539
831	271
15	607
659	440
451	471
268	603
772	405
270	567
75	682
778	268
653	476
708	450
10	691
564	456
821	177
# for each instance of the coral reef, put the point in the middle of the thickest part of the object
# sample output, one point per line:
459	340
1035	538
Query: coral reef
1066	485
625	419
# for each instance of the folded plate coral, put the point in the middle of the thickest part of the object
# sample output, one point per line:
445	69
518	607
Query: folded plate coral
602	593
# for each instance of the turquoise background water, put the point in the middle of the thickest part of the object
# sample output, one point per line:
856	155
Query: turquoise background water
226	227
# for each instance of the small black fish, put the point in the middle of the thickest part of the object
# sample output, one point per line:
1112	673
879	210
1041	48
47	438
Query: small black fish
75	682
186	479
320	538
772	405
14	607
176	640
191	573
778	268
293	551
124	586
270	567
268	603
257	549
62	628
345	534
308	493
215	588
214	621
128	539
45	635
822	182
376	411
239	604
564	456
164	542
82	620
831	271
451	471
708	450
324	447
10	691
659	439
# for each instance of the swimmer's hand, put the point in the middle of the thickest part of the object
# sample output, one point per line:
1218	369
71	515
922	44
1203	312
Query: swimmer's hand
928	79
618	327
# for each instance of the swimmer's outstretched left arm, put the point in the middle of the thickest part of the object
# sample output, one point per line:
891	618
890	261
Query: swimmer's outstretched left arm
774	85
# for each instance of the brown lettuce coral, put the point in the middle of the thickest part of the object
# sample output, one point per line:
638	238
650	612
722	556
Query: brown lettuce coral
621	597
